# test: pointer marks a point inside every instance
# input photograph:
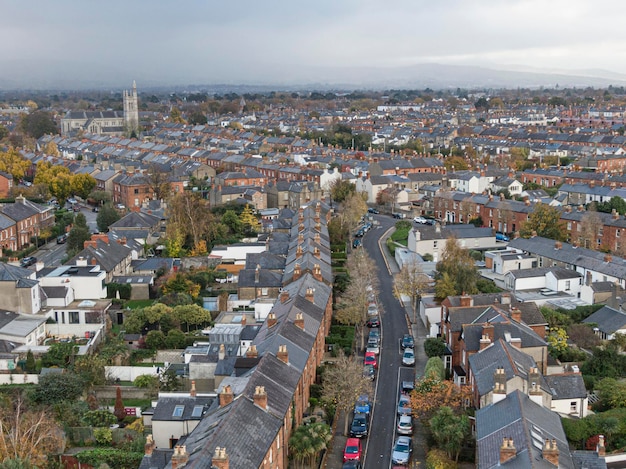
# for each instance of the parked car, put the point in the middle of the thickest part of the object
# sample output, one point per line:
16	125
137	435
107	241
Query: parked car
373	321
358	428
404	404
352	450
402	451
28	261
398	215
405	425
408	341
407	387
408	357
373	210
372	310
62	239
369	372
363	405
356	243
372	347
360	233
95	209
71	200
502	237
374	333
370	359
420	220
352	465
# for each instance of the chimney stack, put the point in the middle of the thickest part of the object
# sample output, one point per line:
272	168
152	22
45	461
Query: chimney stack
260	397
299	252
466	300
507	450
558	245
192	391
180	456
271	320
299	321
316	252
614	214
551	452
488	331
317	272
221	354
252	352
499	381
282	354
226	396
516	314
149	446
220	459
533	381
257	273
296	272
316	238
608	258
310	294
485	342
284	296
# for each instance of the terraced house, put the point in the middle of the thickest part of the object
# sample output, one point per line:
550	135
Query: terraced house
250	423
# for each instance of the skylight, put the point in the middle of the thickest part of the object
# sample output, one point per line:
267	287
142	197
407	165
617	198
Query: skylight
178	411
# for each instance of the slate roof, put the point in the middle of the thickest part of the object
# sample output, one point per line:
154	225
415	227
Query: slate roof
12	273
107	255
608	320
566	386
500	354
266	260
164	409
137	221
528	424
473	332
588	460
267	278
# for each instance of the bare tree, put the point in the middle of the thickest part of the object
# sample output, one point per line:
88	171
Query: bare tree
343	383
590	226
29	435
412	281
158	179
353	303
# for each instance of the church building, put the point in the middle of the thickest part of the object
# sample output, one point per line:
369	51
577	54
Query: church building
105	122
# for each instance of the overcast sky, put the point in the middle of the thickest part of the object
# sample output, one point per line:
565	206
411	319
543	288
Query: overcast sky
281	42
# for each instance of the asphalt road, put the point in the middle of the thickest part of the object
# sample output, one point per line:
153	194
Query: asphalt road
390	371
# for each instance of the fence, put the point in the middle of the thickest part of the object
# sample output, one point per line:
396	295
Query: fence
17	378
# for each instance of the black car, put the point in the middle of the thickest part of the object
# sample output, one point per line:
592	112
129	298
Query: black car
62	239
373	210
407	341
356	243
28	261
352	465
373	321
358	428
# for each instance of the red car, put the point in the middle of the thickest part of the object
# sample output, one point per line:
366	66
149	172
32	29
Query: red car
352	451
370	359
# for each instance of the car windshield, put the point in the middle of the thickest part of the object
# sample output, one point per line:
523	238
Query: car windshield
408	353
402	447
352	449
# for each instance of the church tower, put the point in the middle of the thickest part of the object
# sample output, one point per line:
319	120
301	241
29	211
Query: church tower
131	110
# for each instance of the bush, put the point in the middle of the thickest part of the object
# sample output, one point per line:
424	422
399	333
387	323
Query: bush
99	418
124	290
145	381
434	347
103	436
438	459
113	457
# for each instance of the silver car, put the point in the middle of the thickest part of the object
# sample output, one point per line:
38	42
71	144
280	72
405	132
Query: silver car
408	357
405	425
402	450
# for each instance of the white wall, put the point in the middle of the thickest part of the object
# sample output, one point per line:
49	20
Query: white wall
18	378
563	407
129	373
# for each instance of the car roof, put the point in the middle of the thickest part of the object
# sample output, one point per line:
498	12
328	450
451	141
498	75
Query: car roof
352	441
406	417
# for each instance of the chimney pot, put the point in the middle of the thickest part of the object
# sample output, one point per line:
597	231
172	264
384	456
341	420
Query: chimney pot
252	352
310	294
507	450
299	321
220	459
271	320
192	391
601	449
221	354
283	354
551	452
226	396
150	445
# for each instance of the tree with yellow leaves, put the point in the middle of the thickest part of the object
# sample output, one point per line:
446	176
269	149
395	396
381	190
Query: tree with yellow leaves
249	220
13	163
431	393
82	184
51	149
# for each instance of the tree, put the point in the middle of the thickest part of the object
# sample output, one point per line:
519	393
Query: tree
449	431
176	117
155	340
82	184
175	339
434	347
583	335
612	393
91	368
435	368
232	221
545	221
13	163
28	435
192	315
308	441
51	149
341	189
456	162
412	281
158	178
557	341
249	220
349	216
106	217
460	268
37	124
58	387
30	362
190	217
118	409
77	235
431	393
343	383
100	197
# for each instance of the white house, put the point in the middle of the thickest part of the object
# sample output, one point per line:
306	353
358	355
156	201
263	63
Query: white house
86	282
78	319
236	253
554	279
25	329
427	239
503	261
569	394
469	181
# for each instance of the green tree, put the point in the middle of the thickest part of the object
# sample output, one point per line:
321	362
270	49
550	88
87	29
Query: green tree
91	368
457	162
106	217
449	431
100	197
155	340
192	315
612	393
412	282
232	221
59	354
545	221
557	341
30	362
58	387
16	463
37	124
458	264
341	189
190	217
175	339
435	368
4	133
434	347
13	163
77	235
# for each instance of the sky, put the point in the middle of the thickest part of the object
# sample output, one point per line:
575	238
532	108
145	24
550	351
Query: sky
156	42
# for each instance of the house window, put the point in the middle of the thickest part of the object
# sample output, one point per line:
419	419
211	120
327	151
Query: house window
573	406
617	233
178	411
567	285
136	191
569	226
74	317
435	244
264	291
